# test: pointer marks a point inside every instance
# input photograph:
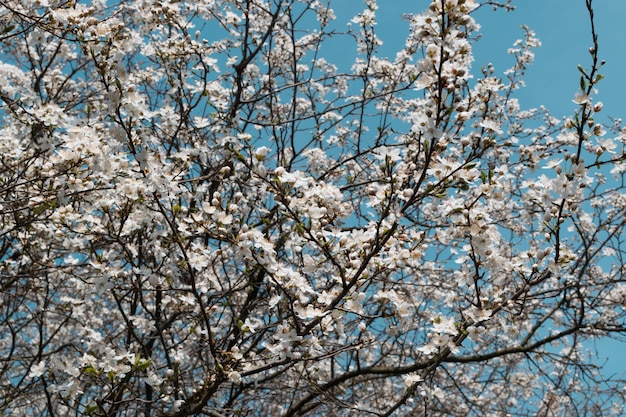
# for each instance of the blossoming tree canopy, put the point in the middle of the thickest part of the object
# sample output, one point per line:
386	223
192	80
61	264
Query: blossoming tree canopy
205	211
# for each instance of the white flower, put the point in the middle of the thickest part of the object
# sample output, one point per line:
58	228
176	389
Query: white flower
297	178
178	404
607	145
261	153
553	164
491	126
387	154
579	169
474	332
428	348
37	370
444	325
441	340
479	315
581	98
153	379
411	379
317	212
250	325
234	377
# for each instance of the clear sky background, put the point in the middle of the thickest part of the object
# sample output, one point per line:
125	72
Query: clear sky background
564	29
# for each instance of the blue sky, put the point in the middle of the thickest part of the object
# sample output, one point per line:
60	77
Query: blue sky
564	29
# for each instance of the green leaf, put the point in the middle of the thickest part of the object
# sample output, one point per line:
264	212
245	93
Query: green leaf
143	364
91	371
37	210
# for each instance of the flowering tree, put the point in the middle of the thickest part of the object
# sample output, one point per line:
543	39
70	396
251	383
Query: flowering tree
202	214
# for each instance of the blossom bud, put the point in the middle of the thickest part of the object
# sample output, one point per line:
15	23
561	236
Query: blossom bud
225	171
261	153
432	50
463	116
598	130
598	106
